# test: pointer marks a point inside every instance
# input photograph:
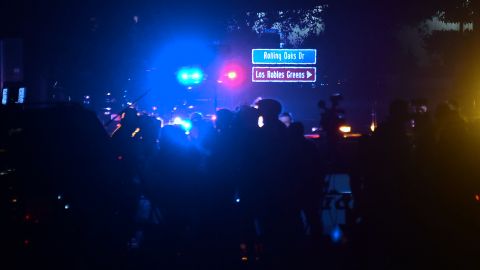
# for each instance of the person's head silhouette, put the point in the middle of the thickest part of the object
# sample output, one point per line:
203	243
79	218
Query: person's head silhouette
269	109
224	119
129	119
246	117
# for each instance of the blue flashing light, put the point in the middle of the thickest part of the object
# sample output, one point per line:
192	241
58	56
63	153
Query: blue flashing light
67	206
190	76
336	234
187	125
237	200
196	76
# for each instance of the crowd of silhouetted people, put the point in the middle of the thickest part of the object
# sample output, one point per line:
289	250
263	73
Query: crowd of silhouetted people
234	193
228	190
419	188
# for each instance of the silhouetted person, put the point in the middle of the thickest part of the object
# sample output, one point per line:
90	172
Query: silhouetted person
278	218
218	191
388	189
200	132
304	165
148	136
128	123
331	119
68	182
454	187
174	181
247	195
128	150
423	131
125	141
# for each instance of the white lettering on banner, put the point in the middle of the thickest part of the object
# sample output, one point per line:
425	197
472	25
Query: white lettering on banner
272	55
259	74
283	74
275	74
289	56
295	75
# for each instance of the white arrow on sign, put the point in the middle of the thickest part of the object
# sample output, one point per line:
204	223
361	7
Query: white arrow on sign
309	74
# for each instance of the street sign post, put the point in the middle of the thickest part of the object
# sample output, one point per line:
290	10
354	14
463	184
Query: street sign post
284	56
284	74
